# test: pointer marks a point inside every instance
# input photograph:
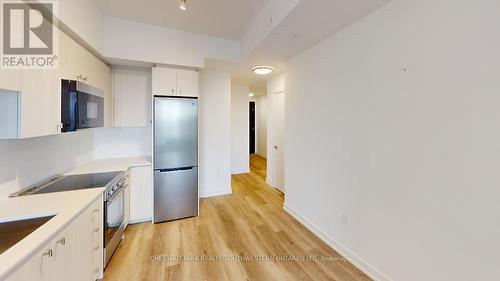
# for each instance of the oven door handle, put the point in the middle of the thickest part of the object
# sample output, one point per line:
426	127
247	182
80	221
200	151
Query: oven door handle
118	193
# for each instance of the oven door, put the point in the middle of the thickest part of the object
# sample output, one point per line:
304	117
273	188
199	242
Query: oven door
113	221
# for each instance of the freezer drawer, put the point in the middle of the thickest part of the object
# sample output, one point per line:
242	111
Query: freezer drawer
175	194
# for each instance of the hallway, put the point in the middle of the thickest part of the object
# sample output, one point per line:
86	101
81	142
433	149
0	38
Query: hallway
243	236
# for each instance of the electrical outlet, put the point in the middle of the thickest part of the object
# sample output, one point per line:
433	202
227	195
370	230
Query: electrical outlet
344	219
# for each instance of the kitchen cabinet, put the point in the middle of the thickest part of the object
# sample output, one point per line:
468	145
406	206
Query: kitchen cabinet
39	90
64	248
35	269
10	79
164	81
187	83
141	194
174	82
132	97
40	103
75	253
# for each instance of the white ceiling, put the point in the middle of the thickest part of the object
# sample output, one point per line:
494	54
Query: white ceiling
222	18
313	21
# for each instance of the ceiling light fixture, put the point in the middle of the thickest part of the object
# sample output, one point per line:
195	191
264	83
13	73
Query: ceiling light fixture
183	5
251	95
263	70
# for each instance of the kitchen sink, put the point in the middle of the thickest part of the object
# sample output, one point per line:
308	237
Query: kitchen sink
12	232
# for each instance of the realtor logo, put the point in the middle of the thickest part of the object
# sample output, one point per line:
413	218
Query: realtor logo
29	34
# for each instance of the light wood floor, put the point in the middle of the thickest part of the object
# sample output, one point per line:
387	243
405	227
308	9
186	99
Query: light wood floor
248	224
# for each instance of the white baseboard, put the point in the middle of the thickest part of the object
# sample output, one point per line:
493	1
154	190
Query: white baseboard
241	171
140	220
262	155
215	192
358	262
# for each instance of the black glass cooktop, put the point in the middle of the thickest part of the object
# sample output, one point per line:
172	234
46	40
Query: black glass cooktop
76	182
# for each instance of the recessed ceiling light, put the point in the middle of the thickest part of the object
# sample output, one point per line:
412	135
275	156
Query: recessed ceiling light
251	95
262	70
296	36
183	5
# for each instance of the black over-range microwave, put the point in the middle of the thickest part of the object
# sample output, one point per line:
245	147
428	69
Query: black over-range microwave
82	106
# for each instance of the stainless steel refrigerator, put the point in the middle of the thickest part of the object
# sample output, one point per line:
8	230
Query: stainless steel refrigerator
175	158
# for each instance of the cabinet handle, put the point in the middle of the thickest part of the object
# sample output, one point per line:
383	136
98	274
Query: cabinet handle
95	211
61	241
96	229
48	253
172	91
96	248
85	79
96	270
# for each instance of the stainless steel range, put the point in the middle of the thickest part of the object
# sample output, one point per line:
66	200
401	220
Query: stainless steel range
114	201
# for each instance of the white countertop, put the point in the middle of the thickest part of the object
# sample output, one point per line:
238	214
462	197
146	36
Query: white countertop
65	205
110	165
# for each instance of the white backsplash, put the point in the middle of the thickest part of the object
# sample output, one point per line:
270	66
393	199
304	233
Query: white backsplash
28	161
122	142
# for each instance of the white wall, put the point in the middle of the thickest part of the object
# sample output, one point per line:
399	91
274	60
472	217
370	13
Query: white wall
409	157
261	125
28	161
274	85
240	160
136	41
215	133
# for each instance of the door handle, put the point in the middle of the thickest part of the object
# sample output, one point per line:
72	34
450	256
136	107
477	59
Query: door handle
174	169
275	147
61	241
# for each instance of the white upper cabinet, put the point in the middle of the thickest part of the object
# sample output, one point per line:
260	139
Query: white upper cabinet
164	81
174	82
132	97
39	91
40	103
187	83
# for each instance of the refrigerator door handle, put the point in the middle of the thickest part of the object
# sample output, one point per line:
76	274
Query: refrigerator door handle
175	169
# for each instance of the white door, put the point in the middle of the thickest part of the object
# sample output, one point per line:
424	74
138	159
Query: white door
279	136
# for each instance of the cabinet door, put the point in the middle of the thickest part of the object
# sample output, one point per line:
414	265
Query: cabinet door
69	57
131	98
65	250
187	83
89	248
35	269
10	79
164	81
40	103
141	191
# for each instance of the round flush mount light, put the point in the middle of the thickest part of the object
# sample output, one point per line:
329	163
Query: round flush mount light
262	70
251	95
183	5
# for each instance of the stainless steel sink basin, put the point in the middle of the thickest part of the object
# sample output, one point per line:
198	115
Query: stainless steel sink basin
14	231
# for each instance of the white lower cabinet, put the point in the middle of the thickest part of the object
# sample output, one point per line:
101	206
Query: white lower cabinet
35	269
141	194
74	254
